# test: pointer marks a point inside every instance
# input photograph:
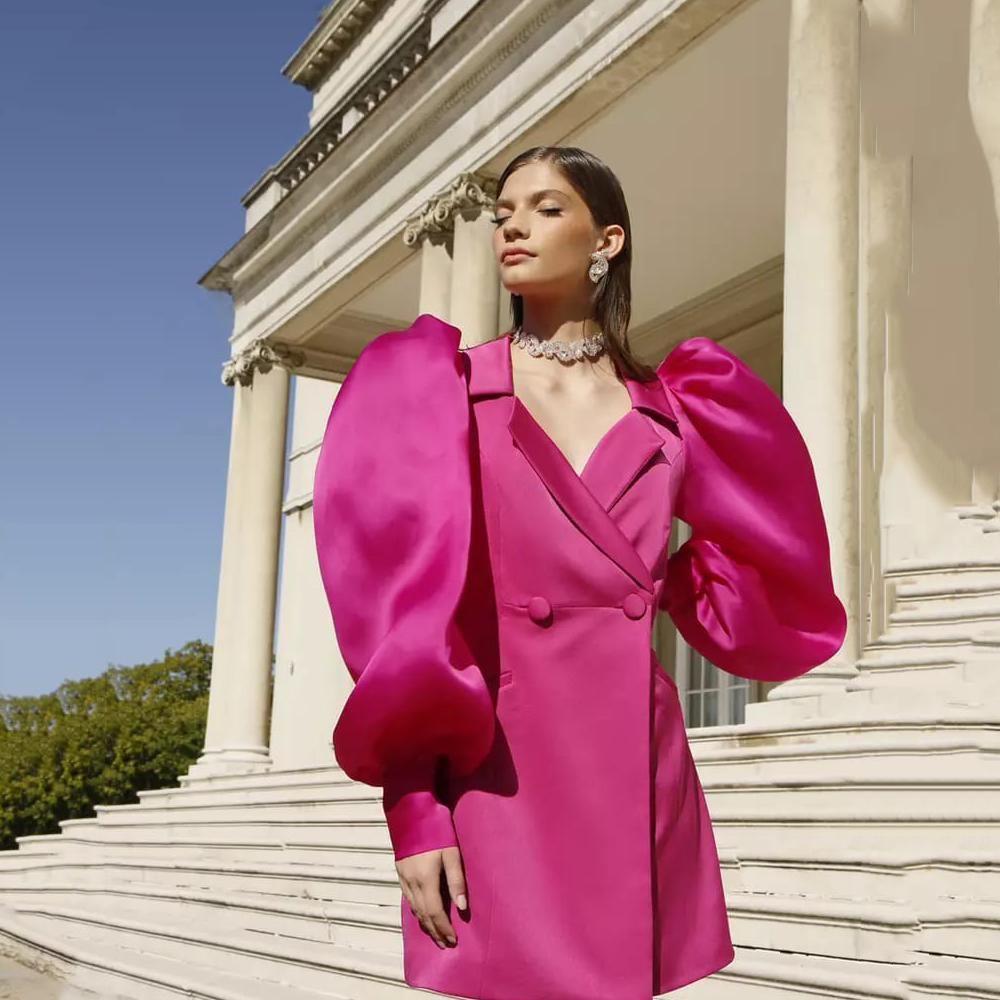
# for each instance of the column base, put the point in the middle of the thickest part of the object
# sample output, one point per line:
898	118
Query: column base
832	676
231	760
803	697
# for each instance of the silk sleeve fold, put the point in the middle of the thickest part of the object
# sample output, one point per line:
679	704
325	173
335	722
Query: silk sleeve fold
391	518
752	588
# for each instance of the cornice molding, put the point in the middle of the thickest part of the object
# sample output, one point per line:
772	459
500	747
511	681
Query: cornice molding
220	276
314	147
340	25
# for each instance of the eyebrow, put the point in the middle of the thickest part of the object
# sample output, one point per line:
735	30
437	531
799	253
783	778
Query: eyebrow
536	197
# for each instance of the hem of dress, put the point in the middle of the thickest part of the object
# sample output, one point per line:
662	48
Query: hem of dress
430	982
717	964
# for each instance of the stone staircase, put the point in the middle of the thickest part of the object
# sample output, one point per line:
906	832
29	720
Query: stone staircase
277	885
861	858
866	850
858	830
943	627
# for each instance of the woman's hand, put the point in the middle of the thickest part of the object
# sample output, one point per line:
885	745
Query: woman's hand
420	878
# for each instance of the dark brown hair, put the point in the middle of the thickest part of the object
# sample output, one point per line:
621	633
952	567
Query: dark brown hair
602	193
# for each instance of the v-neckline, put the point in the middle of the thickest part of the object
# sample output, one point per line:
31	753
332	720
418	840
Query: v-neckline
582	474
518	402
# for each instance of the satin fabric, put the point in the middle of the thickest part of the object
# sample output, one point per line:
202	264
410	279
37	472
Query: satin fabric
495	610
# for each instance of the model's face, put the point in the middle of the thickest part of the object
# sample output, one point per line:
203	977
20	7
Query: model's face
539	210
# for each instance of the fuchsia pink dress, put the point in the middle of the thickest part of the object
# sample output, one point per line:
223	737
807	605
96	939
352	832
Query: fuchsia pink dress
495	611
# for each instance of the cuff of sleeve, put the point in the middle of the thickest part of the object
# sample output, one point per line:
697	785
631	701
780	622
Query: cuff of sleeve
418	821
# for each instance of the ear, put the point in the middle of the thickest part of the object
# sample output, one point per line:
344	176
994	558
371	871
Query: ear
613	242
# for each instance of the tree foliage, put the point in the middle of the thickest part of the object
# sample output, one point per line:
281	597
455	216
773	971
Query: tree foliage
100	740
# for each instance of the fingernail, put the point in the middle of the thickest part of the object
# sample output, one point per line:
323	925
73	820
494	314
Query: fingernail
451	940
462	902
440	944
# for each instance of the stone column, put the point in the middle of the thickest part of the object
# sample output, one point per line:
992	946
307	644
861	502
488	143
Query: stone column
459	281
821	291
984	102
431	230
239	703
227	602
474	286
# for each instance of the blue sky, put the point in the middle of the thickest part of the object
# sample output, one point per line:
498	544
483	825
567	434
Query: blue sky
129	132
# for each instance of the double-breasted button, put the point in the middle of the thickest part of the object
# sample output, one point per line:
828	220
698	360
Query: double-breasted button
539	609
634	606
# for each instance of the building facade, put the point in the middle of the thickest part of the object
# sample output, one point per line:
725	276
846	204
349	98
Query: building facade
813	183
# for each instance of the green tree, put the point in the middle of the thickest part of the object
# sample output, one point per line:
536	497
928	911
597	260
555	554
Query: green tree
100	740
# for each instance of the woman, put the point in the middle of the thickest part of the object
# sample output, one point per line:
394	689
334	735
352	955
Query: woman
492	527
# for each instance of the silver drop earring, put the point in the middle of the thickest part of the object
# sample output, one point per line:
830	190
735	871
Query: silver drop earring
599	267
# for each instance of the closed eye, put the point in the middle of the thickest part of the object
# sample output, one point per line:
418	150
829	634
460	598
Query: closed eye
545	211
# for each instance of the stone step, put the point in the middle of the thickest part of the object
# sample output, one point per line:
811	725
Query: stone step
904	730
201	850
761	974
954	610
292	789
348	972
750	834
360	834
962	683
880	786
882	797
320	774
806	931
859	930
848	873
366	926
119	973
347	804
867	930
861	927
956	587
881	934
842	873
942	755
95	967
303	879
947	976
869	706
947	638
882	794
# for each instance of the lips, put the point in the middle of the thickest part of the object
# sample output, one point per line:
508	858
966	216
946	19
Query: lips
513	256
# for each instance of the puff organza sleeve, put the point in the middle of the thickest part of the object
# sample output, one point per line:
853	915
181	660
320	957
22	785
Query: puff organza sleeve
751	589
391	517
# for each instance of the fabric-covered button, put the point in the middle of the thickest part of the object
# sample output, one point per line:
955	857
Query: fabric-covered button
634	606
539	609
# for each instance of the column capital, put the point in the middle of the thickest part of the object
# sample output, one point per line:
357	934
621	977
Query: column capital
469	191
260	355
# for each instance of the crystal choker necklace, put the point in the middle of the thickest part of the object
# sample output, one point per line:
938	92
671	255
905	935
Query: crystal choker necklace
565	351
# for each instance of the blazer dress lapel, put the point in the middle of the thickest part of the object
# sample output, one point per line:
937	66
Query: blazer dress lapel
570	493
618	459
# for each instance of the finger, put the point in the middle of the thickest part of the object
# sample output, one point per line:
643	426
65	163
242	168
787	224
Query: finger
435	910
407	895
455	876
424	916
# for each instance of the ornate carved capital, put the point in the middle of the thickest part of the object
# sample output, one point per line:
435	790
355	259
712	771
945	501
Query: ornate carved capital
259	355
469	192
